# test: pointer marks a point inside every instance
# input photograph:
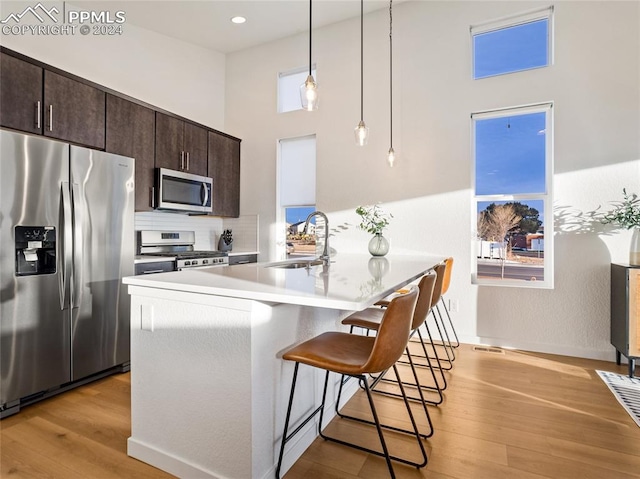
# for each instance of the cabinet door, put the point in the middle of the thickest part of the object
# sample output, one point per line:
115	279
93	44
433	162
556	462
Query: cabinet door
20	94
224	168
195	145
169	141
131	132
73	111
634	312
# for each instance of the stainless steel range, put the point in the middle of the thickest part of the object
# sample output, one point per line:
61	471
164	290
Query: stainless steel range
179	245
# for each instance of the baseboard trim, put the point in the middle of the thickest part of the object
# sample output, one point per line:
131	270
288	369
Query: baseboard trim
167	462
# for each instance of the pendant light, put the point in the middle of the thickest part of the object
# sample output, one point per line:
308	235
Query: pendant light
361	131
309	89
391	156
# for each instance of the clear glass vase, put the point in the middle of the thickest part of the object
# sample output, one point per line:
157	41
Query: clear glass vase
378	245
634	248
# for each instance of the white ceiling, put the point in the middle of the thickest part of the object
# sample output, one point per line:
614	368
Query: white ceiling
207	22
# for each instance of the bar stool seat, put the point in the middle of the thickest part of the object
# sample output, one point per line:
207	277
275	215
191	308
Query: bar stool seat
356	356
335	352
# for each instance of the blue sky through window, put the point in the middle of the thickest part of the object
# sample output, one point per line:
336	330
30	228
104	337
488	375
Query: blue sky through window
510	154
299	213
511	49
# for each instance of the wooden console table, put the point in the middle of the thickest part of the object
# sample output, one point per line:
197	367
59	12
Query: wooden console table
625	313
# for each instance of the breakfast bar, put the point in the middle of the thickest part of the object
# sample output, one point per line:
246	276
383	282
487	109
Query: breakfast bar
208	386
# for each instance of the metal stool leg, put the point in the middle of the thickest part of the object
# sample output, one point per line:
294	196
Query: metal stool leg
380	426
285	437
417	384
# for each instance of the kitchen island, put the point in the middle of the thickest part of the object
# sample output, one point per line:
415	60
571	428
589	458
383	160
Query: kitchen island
208	386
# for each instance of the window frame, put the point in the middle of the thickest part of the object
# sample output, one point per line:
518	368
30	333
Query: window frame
546	197
279	89
281	220
514	21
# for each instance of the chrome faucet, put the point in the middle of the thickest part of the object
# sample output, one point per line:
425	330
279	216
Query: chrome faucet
325	253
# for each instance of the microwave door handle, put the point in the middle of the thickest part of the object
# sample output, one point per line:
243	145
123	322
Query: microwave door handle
206	194
66	249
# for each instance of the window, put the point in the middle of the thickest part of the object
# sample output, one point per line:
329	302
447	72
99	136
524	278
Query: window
512	44
289	88
297	194
513	151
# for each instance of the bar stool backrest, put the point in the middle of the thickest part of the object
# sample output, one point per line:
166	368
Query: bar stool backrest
447	275
425	296
437	289
393	334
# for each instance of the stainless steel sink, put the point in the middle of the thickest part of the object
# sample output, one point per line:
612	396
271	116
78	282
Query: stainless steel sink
296	264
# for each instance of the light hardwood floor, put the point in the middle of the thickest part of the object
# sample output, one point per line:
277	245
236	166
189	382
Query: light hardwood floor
511	415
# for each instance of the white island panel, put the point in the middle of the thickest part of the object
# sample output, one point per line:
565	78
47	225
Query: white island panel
209	388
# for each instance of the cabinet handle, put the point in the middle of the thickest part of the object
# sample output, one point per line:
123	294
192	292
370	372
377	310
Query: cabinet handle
187	161
182	160
152	194
152	271
50	117
38	115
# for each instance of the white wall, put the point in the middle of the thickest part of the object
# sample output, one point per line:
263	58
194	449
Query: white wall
595	85
176	76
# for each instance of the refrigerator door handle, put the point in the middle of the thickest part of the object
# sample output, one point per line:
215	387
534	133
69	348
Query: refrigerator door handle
77	244
67	245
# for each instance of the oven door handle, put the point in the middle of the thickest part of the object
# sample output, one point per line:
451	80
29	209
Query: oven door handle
206	194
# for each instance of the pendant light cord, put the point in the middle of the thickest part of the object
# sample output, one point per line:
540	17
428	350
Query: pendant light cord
391	72
310	30
361	60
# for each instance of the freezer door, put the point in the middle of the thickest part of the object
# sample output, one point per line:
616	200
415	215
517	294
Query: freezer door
34	330
102	188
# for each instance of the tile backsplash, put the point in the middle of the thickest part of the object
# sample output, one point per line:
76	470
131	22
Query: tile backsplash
207	228
245	232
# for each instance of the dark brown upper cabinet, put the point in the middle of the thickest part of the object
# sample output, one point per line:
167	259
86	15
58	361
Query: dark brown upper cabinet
20	95
73	111
70	110
180	145
131	132
224	168
41	99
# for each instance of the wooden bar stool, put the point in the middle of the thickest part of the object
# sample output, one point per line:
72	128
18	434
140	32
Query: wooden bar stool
356	356
370	320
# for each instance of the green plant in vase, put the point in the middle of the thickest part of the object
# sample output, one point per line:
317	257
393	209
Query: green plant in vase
374	220
626	214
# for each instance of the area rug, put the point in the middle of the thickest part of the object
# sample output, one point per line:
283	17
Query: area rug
626	390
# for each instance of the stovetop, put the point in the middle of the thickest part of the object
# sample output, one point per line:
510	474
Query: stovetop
189	254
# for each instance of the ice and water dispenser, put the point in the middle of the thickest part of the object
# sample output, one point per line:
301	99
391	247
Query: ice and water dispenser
35	250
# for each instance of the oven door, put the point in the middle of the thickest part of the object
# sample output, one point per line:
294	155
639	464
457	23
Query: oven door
180	191
217	265
155	267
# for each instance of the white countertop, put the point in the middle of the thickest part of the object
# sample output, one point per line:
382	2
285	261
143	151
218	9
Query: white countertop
351	282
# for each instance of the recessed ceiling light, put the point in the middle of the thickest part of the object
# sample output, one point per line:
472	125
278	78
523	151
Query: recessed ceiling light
238	19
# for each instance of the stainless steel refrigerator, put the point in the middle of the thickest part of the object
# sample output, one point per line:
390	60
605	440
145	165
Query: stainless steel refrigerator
66	241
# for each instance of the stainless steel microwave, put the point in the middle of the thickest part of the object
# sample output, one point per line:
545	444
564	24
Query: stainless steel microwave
180	191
